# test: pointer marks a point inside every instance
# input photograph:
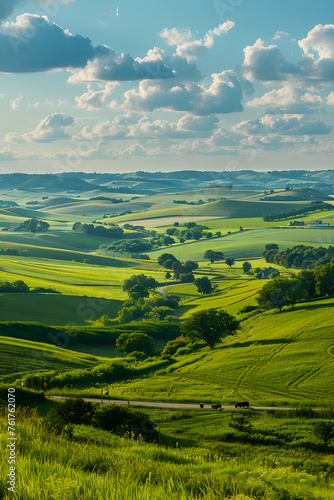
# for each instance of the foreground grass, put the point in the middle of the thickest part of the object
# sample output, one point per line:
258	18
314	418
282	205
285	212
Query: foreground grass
101	465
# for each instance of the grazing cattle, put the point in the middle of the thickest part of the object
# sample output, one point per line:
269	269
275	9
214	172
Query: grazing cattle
201	405
216	407
244	404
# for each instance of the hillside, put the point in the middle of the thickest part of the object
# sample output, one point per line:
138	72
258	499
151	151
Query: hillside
276	359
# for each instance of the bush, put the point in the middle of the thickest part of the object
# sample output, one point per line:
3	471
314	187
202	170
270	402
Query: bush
124	421
136	341
71	411
173	345
248	309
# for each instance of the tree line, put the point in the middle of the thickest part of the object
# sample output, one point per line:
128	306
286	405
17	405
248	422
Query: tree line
294	212
299	256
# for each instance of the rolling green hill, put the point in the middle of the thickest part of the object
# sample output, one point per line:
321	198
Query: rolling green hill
32	357
250	243
276	359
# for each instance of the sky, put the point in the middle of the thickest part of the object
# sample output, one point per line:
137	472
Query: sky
120	86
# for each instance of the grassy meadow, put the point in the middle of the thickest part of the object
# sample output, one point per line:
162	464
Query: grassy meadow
275	359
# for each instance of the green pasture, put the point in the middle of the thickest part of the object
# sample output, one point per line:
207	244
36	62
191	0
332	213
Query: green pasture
275	359
70	279
247	244
53	309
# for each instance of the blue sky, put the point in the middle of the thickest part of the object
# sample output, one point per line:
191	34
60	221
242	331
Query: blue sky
203	84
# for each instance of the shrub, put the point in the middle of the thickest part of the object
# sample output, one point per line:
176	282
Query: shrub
135	341
124	421
173	345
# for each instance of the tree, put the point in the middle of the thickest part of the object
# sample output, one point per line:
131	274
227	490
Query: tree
271	246
246	266
135	341
189	266
167	257
138	291
177	266
281	292
140	279
324	279
161	312
197	235
168	275
168	240
176	224
204	285
230	261
213	256
210	326
209	235
324	430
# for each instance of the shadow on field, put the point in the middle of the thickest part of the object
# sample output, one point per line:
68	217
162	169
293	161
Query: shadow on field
313	306
261	342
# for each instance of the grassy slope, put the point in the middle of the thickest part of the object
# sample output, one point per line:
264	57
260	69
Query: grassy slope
278	358
35	356
223	208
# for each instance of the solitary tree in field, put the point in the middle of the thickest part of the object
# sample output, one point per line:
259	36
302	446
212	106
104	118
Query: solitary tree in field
204	285
210	325
230	261
213	256
246	266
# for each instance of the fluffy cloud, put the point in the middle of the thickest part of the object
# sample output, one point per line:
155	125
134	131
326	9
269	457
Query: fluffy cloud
224	95
112	67
52	128
134	126
187	47
32	43
330	99
268	63
92	100
319	40
283	125
290	99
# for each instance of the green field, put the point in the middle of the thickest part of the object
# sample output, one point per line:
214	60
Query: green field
21	357
250	243
276	359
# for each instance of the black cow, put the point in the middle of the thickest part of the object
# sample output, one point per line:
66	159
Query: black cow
216	407
244	404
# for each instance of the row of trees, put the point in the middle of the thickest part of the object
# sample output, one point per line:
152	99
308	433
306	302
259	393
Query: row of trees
294	212
299	256
281	292
91	229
